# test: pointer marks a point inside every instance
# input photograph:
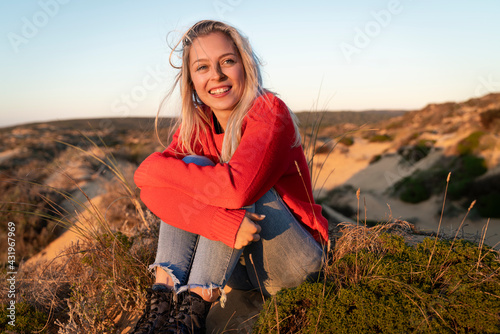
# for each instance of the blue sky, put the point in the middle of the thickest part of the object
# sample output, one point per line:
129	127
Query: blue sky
65	59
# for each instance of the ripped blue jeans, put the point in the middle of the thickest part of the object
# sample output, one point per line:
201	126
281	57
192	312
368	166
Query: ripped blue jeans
284	257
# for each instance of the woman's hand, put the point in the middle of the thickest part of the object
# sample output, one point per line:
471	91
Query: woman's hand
249	230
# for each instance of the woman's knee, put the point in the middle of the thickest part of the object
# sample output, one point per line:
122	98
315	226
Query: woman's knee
293	278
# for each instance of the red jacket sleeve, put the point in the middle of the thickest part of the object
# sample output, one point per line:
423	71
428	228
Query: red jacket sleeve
261	158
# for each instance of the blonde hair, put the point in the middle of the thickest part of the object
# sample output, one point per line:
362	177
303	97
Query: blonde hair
194	117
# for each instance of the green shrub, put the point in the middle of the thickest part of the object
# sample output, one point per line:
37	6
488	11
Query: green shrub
347	141
486	191
415	153
398	290
467	168
380	138
471	166
467	145
395	125
487	205
27	319
458	188
421	185
415	136
414	190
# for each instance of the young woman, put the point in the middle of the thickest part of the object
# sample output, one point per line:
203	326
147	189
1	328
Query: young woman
233	188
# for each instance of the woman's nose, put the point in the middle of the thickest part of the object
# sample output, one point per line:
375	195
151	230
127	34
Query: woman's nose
217	73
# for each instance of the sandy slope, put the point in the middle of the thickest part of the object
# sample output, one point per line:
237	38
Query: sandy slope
56	249
343	162
374	179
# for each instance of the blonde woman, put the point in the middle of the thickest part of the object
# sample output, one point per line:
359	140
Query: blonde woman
232	185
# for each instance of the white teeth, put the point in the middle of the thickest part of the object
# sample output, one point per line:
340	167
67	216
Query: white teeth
219	90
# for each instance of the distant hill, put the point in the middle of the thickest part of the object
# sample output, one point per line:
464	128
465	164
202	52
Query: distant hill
128	123
333	118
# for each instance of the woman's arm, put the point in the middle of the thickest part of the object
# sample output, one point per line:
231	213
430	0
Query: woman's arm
188	213
261	158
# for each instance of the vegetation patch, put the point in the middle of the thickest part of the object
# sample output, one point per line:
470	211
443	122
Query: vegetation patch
387	286
347	141
27	319
487	205
467	168
415	153
468	145
421	185
487	192
380	138
414	189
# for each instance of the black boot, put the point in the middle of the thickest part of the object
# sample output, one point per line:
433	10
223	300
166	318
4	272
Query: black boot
159	306
190	318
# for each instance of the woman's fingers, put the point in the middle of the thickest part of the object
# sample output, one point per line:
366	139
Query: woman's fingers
248	231
255	216
259	228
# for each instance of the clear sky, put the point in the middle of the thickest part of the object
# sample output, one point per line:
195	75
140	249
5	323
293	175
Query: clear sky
63	59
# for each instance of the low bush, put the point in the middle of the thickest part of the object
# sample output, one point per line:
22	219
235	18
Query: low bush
414	153
380	138
414	190
347	141
466	169
421	185
27	319
433	287
469	144
487	205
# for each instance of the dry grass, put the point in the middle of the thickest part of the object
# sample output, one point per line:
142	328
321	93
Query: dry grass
104	274
357	237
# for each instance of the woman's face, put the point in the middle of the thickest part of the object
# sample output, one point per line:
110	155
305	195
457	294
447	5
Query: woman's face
217	72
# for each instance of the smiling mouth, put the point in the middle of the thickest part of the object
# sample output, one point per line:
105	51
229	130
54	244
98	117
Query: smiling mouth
218	91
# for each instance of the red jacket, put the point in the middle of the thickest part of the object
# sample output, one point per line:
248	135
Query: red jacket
208	200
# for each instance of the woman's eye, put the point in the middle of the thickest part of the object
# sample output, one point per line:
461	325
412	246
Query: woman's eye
229	61
201	68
